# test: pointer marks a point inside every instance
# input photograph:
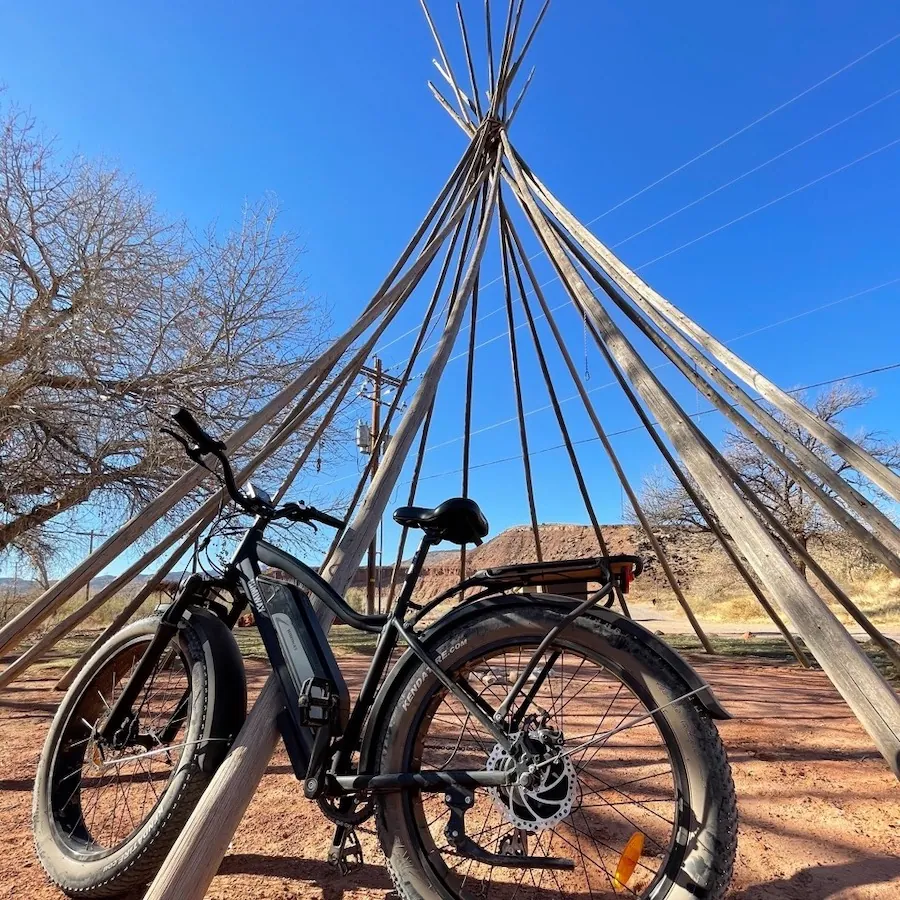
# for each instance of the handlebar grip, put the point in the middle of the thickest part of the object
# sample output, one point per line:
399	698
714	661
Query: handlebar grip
325	519
191	427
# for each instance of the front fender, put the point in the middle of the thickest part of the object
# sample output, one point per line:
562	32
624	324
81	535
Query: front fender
388	697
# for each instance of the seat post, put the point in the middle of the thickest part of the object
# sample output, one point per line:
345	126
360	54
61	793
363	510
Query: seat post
428	541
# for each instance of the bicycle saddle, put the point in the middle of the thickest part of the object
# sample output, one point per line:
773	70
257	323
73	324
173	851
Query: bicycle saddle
458	520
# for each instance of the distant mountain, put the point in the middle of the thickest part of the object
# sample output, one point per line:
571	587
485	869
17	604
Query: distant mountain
29	586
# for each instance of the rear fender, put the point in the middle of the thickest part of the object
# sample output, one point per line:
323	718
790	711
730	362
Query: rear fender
388	695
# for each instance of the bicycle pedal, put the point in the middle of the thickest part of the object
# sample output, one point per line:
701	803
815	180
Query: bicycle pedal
318	703
346	853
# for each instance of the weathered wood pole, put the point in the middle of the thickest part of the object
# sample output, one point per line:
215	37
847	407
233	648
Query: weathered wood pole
198	852
868	694
886	546
658	549
844	446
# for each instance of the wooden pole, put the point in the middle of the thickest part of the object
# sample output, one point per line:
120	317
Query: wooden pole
469	64
885	547
374	449
700	503
447	69
345	560
198	852
421	336
658	549
850	670
514	68
842	445
517	387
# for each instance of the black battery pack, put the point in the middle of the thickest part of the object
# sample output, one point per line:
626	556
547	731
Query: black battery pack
314	688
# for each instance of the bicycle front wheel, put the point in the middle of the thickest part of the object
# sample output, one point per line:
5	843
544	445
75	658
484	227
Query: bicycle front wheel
638	797
106	814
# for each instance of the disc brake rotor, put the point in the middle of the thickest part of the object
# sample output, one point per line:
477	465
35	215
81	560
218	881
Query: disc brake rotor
542	804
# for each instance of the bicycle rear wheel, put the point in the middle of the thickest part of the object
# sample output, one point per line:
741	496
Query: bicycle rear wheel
640	800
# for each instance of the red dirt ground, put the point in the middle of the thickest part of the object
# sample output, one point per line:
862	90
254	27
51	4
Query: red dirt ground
820	811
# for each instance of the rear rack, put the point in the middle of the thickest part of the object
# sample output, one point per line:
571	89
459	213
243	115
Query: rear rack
571	574
598	568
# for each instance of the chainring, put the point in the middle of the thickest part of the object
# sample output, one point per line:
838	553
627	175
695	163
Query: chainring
362	810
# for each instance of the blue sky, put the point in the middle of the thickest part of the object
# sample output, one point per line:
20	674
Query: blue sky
325	105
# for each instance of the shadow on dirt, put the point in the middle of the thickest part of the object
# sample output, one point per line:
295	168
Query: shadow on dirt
315	871
823	882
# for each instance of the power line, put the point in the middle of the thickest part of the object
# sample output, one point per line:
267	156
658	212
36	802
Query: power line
761	165
877	370
634	428
663	365
707	196
753	212
746	128
709	150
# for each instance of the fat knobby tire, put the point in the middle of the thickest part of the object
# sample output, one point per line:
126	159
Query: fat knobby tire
218	707
706	849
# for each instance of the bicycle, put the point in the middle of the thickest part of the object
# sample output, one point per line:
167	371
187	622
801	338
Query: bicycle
523	743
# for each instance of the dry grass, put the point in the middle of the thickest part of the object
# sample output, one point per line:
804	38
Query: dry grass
717	594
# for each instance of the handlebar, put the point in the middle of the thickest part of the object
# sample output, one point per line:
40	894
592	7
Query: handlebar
206	444
192	428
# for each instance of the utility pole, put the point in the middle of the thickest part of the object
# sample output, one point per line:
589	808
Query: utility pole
378	380
90	535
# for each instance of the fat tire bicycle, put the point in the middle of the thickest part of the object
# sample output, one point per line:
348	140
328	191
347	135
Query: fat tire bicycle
523	744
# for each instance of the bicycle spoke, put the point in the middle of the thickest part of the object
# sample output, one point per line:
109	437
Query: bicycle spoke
567	690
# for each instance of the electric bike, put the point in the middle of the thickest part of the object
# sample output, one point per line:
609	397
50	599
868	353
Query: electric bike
524	743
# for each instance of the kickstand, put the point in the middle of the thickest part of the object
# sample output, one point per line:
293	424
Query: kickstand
345	853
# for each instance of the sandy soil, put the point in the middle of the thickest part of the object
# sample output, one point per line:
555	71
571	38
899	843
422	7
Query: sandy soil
820	811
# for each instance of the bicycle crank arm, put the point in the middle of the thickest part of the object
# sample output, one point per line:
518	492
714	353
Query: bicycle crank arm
467	848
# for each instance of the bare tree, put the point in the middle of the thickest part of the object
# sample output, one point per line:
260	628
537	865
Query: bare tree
667	504
111	313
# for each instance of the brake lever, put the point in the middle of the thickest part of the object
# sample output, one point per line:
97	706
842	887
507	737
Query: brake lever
289	509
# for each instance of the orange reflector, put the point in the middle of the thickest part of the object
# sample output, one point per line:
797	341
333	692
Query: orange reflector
628	860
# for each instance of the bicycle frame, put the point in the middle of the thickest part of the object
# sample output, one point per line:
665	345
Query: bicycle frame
311	751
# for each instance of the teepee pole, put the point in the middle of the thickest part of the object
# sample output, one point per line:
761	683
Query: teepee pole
469	64
514	68
658	549
698	501
198	852
887	544
839	443
886	549
463	225
850	670
517	387
344	562
555	404
447	71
